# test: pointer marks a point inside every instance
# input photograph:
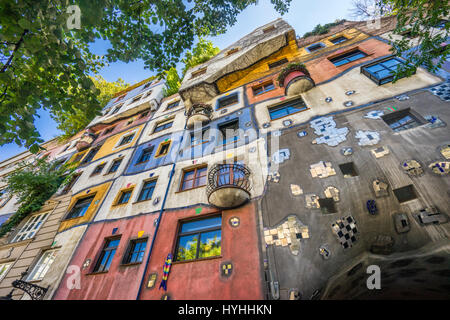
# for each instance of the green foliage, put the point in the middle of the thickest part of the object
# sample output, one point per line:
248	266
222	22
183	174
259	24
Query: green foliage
43	64
420	18
210	249
319	29
33	184
173	82
202	52
71	121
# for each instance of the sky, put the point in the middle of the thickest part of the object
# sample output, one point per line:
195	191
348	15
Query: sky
303	16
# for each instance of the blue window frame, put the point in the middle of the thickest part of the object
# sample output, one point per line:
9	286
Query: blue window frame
227	100
315	47
382	72
124	196
287	108
106	256
147	190
263	88
348	57
145	155
173	104
338	40
115	165
163	126
80	207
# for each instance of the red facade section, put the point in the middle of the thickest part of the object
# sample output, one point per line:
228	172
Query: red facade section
322	69
203	279
121	281
276	92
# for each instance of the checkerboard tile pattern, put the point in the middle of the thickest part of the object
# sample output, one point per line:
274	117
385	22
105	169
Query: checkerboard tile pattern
345	230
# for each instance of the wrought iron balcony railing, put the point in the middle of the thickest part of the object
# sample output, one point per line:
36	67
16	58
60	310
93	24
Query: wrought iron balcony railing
228	185
199	112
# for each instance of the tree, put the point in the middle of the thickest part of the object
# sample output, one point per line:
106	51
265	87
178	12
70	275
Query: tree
76	119
33	184
45	60
202	52
417	21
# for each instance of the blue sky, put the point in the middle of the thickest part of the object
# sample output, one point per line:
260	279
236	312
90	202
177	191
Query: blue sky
303	16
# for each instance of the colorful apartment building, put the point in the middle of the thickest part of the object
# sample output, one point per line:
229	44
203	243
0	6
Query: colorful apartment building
284	168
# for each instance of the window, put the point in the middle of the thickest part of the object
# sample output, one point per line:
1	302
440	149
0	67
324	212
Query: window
315	47
441	24
135	252
287	108
4	267
106	256
115	165
78	157
193	178
278	63
42	266
108	131
173	105
163	149
80	207
405	194
338	40
125	196
136	99
147	85
91	155
126	139
401	120
198	137
30	228
229	131
227	101
116	109
145	155
98	169
229	175
199	239
347	57
71	183
382	72
348	170
198	72
144	114
130	122
4	198
147	190
262	88
163	125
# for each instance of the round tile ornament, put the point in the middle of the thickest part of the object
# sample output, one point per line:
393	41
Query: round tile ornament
252	150
223	111
302	134
266	125
234	222
348	103
239	112
347	151
328	99
287	122
350	92
248	124
156	201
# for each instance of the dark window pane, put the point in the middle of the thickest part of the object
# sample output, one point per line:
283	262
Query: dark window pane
80	208
228	101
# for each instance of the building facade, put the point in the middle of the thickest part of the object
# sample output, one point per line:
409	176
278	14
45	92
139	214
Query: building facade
284	168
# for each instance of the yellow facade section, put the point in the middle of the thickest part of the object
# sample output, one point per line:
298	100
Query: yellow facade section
292	53
111	144
99	191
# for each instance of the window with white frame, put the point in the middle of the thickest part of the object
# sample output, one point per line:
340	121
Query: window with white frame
31	227
4	267
42	266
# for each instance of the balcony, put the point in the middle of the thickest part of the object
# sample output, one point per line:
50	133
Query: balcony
295	79
228	185
86	140
199	113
